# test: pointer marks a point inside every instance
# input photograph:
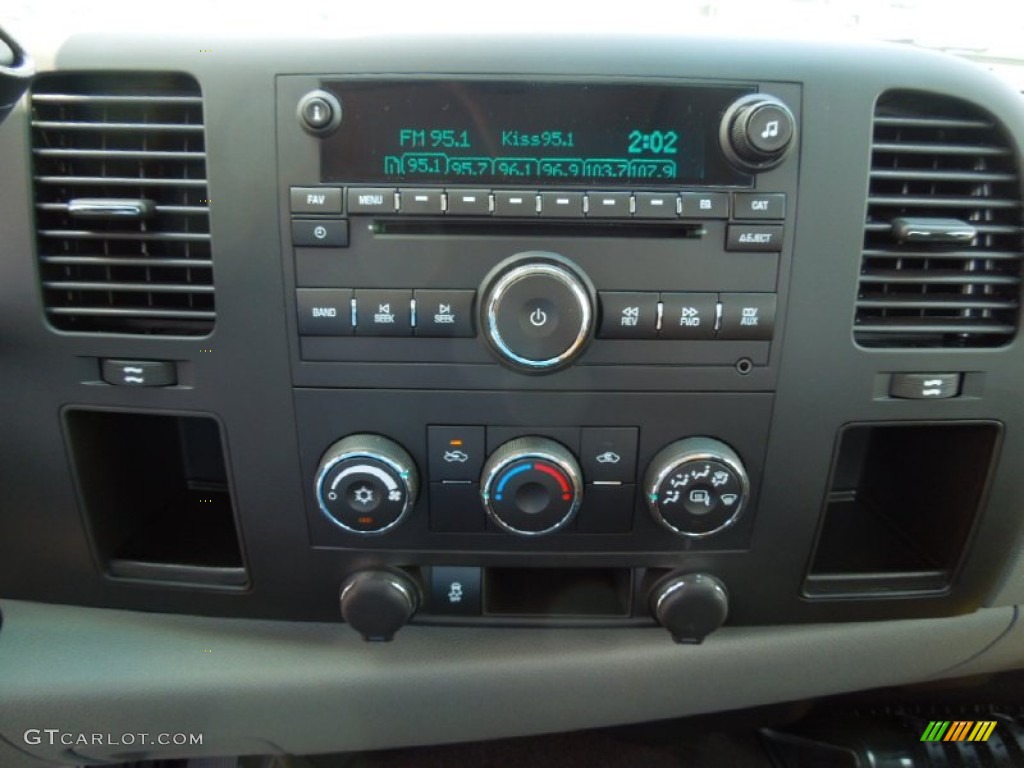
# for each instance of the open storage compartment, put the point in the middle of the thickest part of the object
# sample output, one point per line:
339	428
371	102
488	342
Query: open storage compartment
156	496
557	592
902	503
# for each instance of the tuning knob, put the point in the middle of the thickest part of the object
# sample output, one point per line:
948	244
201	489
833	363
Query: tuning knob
690	607
696	487
531	486
537	311
366	484
378	603
757	132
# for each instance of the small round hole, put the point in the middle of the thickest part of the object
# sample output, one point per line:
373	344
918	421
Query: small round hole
744	366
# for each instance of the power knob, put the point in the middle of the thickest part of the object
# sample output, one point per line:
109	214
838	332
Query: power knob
696	487
757	132
531	486
537	311
366	484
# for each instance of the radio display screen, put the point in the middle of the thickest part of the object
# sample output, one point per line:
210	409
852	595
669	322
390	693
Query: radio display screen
476	132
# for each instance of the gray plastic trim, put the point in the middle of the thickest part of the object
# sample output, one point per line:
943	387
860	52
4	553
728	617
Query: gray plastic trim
262	686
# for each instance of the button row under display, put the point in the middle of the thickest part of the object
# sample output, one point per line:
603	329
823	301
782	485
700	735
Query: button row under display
558	204
385	312
648	315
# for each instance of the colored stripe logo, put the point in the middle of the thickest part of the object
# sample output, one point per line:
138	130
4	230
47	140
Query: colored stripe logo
958	730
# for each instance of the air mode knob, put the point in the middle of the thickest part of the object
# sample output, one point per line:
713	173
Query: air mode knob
696	487
757	132
531	486
366	484
537	311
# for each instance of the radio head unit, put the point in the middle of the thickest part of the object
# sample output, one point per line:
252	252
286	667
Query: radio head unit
538	132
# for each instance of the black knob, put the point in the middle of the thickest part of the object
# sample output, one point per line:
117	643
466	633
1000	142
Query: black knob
696	487
319	112
691	606
757	132
378	603
366	484
537	311
531	486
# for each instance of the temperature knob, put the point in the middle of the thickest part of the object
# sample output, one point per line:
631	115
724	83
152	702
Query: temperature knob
757	132
366	484
696	487
531	486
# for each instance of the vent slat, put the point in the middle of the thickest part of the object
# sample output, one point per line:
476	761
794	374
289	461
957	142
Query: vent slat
908	253
125	261
141	312
82	234
940	159
936	277
911	201
119	181
941	148
927	301
117	154
983	229
74	125
146	100
910	174
71	285
936	123
181	210
908	327
107	139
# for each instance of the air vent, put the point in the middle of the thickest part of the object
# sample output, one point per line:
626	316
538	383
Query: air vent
942	240
122	210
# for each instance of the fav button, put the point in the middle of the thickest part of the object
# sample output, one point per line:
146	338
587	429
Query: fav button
315	200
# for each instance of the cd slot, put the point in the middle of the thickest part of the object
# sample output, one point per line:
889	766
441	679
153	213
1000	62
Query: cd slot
534	227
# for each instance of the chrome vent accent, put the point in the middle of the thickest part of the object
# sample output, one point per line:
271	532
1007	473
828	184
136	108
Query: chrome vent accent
942	240
122	210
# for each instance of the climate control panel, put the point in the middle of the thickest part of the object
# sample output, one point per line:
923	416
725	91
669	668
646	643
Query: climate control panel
532	486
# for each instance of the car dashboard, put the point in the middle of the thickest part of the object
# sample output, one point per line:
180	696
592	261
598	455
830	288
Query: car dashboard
418	384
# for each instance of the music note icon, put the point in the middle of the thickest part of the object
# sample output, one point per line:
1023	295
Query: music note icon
771	129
